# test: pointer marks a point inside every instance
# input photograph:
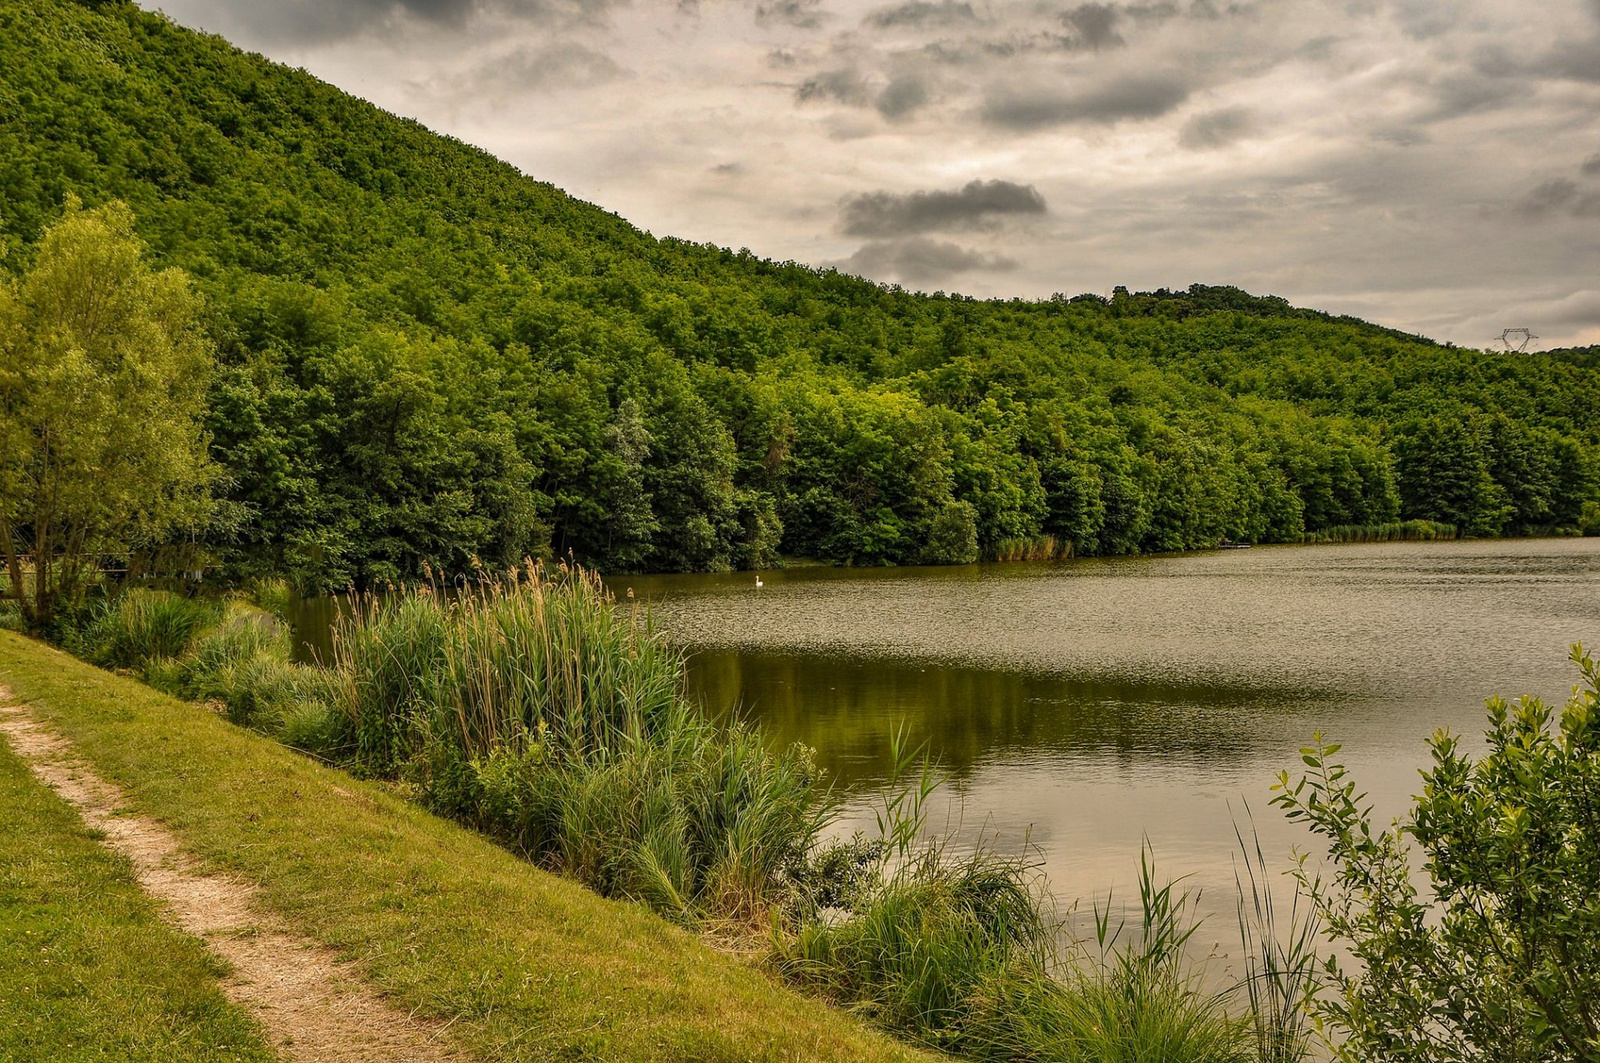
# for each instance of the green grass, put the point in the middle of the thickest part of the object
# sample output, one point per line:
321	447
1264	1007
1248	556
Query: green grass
524	964
88	970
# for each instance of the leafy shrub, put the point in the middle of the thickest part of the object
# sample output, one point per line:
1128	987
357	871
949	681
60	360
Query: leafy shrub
1589	522
1501	959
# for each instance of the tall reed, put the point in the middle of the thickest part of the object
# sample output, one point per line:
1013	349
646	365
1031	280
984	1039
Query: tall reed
1280	960
1034	548
537	709
1393	531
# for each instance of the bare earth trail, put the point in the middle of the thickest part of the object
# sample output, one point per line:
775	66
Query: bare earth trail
312	1009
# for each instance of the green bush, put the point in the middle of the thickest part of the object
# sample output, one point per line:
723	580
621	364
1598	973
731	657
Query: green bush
1589	522
1500	958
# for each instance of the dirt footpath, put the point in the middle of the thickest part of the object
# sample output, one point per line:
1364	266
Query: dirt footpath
311	1006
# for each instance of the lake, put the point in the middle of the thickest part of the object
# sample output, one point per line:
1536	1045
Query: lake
1090	705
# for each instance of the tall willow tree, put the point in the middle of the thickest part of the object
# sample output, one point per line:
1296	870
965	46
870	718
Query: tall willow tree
103	371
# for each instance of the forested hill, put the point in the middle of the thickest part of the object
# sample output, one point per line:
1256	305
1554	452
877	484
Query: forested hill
426	357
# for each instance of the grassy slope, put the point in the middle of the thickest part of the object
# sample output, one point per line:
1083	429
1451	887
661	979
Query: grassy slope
529	966
88	970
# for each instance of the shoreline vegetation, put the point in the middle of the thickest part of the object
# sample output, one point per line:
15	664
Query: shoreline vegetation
534	709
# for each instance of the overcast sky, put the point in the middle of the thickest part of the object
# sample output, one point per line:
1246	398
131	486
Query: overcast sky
1433	165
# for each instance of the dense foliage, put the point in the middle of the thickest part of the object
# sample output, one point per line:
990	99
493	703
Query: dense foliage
426	357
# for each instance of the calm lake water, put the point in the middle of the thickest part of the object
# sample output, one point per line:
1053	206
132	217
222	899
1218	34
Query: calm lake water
1086	706
1090	705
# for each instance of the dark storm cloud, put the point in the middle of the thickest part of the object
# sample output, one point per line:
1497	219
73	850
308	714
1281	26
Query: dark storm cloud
1129	97
804	14
1591	166
921	14
1094	26
920	260
885	214
1216	129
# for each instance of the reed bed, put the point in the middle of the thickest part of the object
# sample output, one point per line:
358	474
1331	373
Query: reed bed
535	708
1391	532
1038	548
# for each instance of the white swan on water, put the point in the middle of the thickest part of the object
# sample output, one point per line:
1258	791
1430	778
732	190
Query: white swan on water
759	584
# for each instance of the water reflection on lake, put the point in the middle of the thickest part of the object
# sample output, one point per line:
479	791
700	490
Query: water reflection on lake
1091	704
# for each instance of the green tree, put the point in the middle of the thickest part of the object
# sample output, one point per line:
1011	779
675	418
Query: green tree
103	374
1444	476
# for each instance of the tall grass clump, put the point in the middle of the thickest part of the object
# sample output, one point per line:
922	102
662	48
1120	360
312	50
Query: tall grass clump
537	709
140	627
960	952
1280	960
272	594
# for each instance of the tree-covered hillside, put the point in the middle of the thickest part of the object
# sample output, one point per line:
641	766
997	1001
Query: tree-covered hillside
426	357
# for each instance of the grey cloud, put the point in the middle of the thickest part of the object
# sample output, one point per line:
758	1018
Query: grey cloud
886	214
920	260
1591	166
922	13
842	86
1131	97
551	67
1159	12
1577	60
1216	129
903	95
1559	195
1426	19
1579	308
1094	26
804	14
1456	95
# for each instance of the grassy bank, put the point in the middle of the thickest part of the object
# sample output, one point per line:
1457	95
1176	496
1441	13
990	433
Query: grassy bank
88	969
525	965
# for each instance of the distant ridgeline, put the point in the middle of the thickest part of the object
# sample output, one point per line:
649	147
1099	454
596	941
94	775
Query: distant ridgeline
424	356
